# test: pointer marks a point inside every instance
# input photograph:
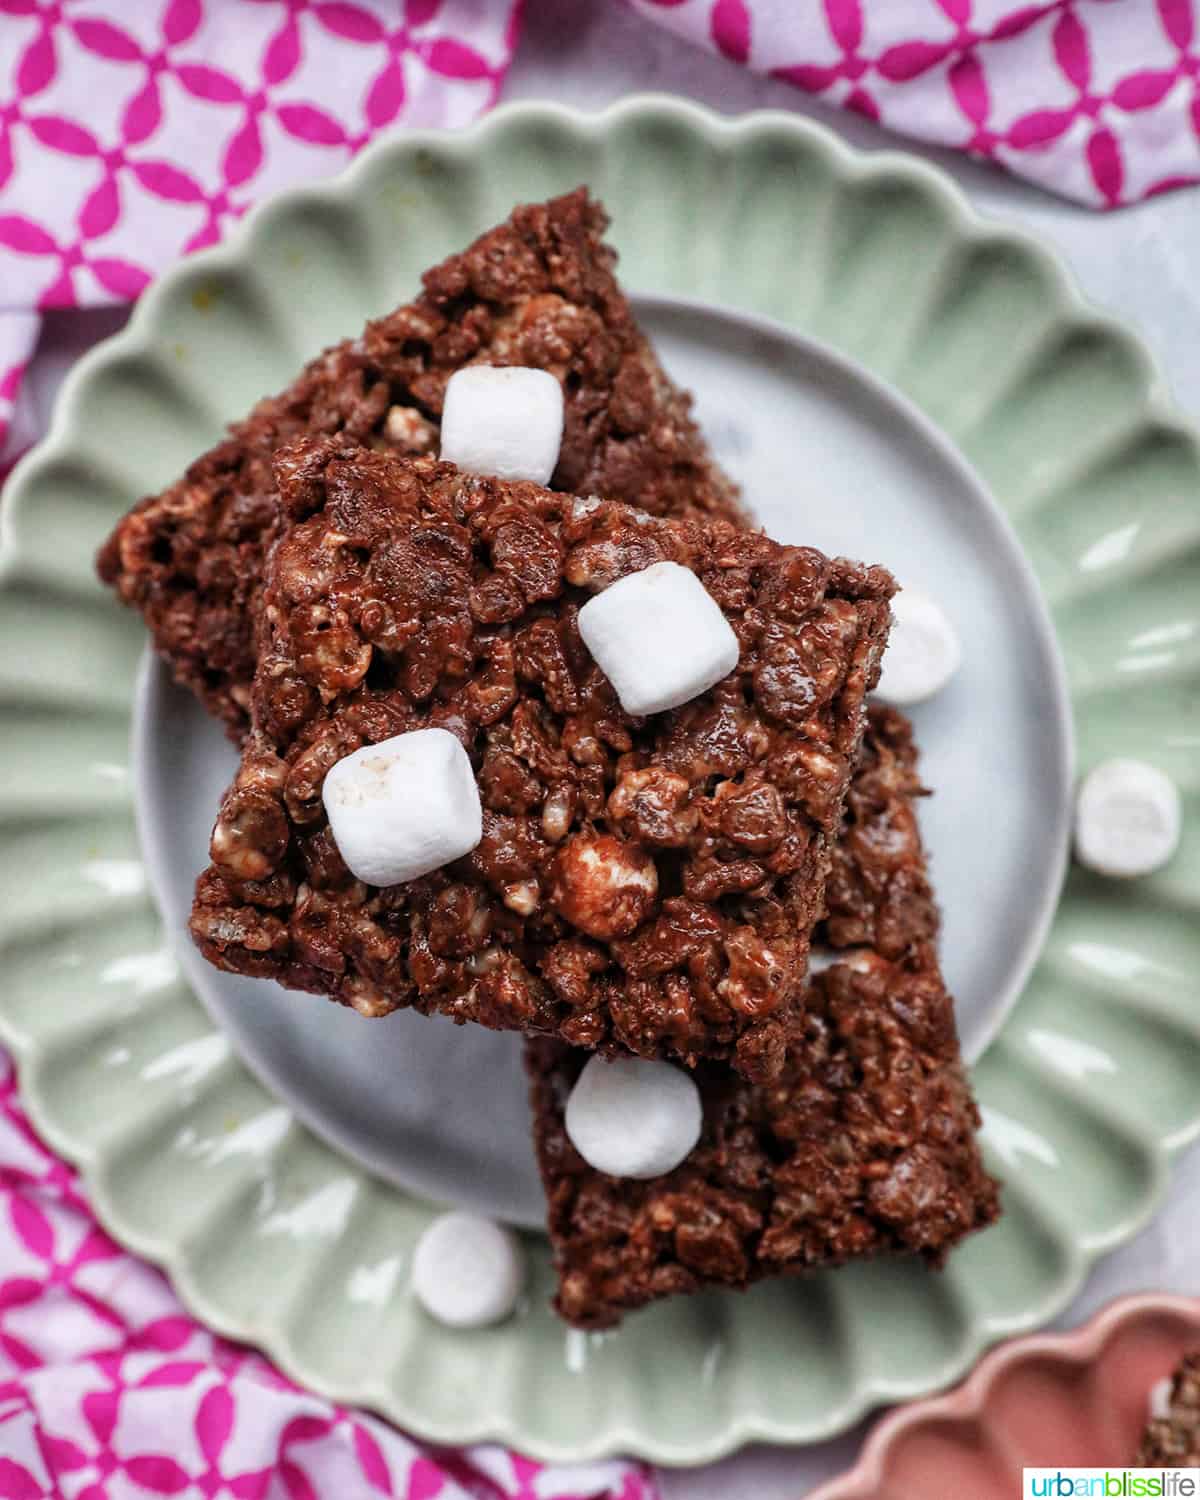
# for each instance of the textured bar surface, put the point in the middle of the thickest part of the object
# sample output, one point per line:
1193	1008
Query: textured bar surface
538	290
643	884
864	1146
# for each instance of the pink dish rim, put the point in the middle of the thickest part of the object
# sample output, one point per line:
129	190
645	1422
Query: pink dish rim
969	1401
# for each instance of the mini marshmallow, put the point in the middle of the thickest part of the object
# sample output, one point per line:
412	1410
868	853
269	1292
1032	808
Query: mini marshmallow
821	960
659	637
632	1117
1158	1404
467	1271
409	430
1128	819
506	421
403	807
861	960
923	652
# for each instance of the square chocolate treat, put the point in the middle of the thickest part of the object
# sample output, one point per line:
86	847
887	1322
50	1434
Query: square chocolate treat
864	1146
538	290
642	884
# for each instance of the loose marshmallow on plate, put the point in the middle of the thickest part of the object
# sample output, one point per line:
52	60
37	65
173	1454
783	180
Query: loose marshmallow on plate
467	1271
633	1117
506	421
659	637
403	807
923	651
1128	819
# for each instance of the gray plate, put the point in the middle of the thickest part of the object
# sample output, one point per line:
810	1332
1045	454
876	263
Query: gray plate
828	456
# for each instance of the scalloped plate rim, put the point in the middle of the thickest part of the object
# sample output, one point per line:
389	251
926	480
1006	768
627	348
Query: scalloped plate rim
1070	308
134	337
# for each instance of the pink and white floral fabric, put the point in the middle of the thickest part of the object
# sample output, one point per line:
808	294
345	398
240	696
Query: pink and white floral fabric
109	1391
1098	100
133	131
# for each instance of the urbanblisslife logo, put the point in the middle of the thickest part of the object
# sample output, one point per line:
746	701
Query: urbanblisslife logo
1110	1484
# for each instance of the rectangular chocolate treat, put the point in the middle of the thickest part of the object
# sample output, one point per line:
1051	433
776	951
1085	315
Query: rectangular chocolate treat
539	290
864	1146
1172	1441
643	884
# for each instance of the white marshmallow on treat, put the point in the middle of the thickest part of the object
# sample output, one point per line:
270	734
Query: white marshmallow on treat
861	960
632	1117
659	637
467	1271
1128	819
923	651
820	960
403	807
1158	1404
503	420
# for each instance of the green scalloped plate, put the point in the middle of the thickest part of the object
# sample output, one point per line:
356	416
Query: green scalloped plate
276	1238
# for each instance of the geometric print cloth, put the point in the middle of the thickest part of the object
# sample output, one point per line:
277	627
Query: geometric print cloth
1098	100
134	131
110	1391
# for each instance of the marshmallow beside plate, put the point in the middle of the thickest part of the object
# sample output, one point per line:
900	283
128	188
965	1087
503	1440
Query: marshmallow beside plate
467	1271
403	807
633	1117
503	420
923	651
1128	819
659	637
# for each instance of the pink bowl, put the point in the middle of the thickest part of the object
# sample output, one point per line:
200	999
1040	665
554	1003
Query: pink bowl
1076	1398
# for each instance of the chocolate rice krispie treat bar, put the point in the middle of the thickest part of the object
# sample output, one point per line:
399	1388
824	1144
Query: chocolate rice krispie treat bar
1172	1441
642	884
864	1146
538	291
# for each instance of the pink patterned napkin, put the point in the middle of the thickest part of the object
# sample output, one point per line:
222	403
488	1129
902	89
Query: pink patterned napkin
1098	100
109	1390
132	131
